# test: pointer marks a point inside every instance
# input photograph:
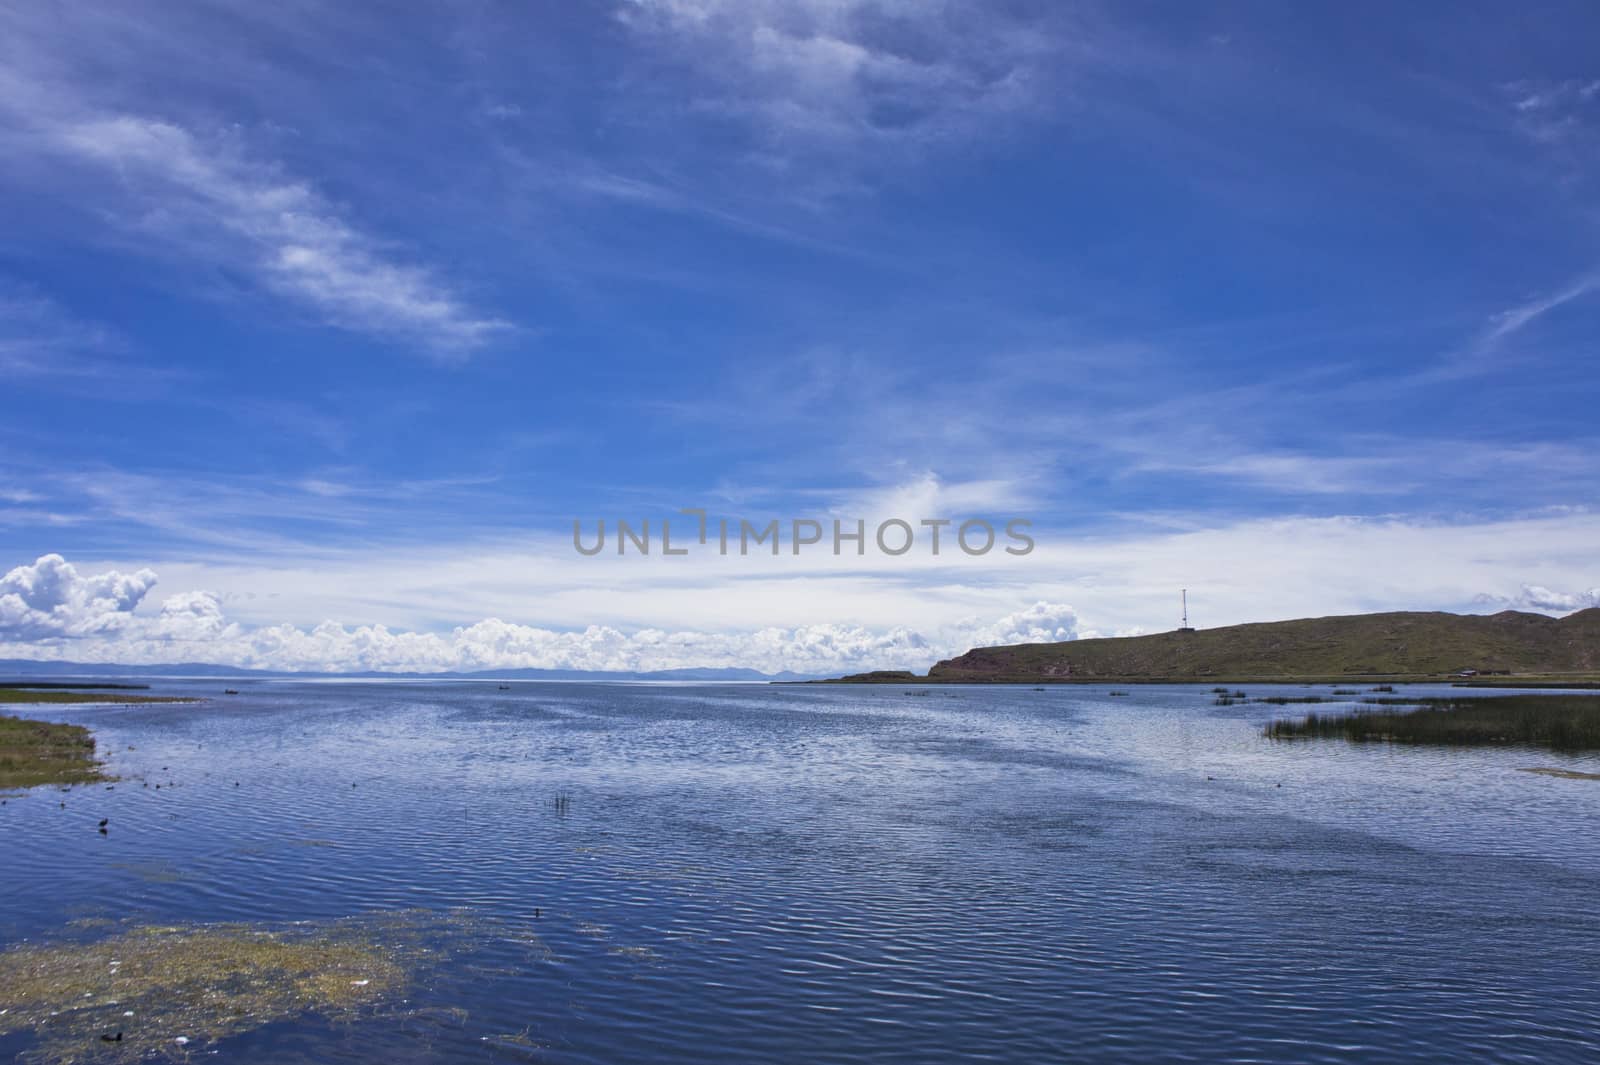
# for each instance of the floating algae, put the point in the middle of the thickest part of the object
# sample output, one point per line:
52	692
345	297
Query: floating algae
170	989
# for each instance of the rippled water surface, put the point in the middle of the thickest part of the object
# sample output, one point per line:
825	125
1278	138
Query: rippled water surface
753	873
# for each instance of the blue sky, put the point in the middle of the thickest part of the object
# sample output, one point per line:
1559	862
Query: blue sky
340	313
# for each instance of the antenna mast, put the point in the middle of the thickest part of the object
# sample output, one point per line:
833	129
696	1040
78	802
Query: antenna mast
1186	608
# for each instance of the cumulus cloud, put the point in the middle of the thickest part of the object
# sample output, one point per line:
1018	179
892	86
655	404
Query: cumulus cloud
1040	623
1545	600
497	644
49	599
48	611
193	616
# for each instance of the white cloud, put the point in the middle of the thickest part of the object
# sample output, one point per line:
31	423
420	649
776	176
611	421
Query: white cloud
50	600
210	199
853	71
1545	600
193	616
1554	112
497	644
1118	580
1487	352
1514	319
1294	472
47	611
38	338
1041	623
547	607
927	495
297	242
118	114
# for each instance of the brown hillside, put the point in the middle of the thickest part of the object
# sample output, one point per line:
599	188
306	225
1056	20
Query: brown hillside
1362	644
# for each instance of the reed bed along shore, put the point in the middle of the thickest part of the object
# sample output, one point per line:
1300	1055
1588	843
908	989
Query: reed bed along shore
1567	723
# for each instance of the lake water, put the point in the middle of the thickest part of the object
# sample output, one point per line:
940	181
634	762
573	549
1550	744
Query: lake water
822	874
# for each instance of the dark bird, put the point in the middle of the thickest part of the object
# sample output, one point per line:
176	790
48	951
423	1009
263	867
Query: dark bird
104	821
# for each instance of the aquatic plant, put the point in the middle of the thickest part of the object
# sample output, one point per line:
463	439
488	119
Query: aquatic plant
154	991
1554	722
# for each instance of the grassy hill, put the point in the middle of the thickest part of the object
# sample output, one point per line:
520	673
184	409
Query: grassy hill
1362	645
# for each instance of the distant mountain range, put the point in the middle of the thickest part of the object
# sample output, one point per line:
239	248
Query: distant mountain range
1400	645
24	667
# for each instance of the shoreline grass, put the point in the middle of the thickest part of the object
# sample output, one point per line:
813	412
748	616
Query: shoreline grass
41	752
1566	723
36	695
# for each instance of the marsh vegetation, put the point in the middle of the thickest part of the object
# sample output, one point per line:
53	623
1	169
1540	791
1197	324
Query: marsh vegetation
41	752
54	695
1552	722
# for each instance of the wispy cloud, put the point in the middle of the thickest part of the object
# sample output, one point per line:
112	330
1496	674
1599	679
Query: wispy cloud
207	195
1553	112
1297	473
212	198
1487	351
40	339
1511	321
